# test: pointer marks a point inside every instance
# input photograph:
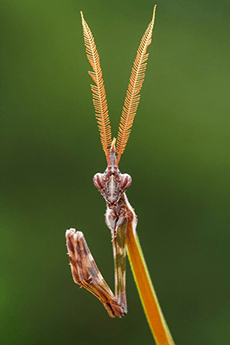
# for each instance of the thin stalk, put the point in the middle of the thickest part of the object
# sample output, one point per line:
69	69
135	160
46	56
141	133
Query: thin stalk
146	290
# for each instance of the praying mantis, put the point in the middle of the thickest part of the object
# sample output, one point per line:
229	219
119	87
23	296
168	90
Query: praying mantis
120	216
112	184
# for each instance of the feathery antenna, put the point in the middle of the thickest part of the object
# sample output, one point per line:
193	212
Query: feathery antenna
133	93
98	90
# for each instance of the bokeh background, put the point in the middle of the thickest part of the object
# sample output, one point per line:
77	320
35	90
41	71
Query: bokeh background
178	157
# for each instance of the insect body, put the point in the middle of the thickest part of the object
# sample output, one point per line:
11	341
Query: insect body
112	184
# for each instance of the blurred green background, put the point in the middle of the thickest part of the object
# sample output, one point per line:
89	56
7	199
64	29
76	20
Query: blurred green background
178	157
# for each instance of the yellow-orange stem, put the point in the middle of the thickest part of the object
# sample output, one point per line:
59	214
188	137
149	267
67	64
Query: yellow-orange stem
146	290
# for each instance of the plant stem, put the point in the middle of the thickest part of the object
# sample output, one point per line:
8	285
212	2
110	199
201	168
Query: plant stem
146	290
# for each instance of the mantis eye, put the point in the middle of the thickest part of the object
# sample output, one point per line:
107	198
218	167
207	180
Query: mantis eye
125	181
98	181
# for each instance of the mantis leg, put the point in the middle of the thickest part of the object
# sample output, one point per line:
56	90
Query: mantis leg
86	273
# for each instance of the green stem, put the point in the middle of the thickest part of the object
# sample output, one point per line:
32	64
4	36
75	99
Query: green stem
146	290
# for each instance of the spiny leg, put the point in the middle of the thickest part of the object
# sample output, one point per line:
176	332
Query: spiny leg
126	217
86	273
119	253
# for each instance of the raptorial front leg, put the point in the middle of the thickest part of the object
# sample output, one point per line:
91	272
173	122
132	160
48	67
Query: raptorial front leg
86	273
119	253
126	216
